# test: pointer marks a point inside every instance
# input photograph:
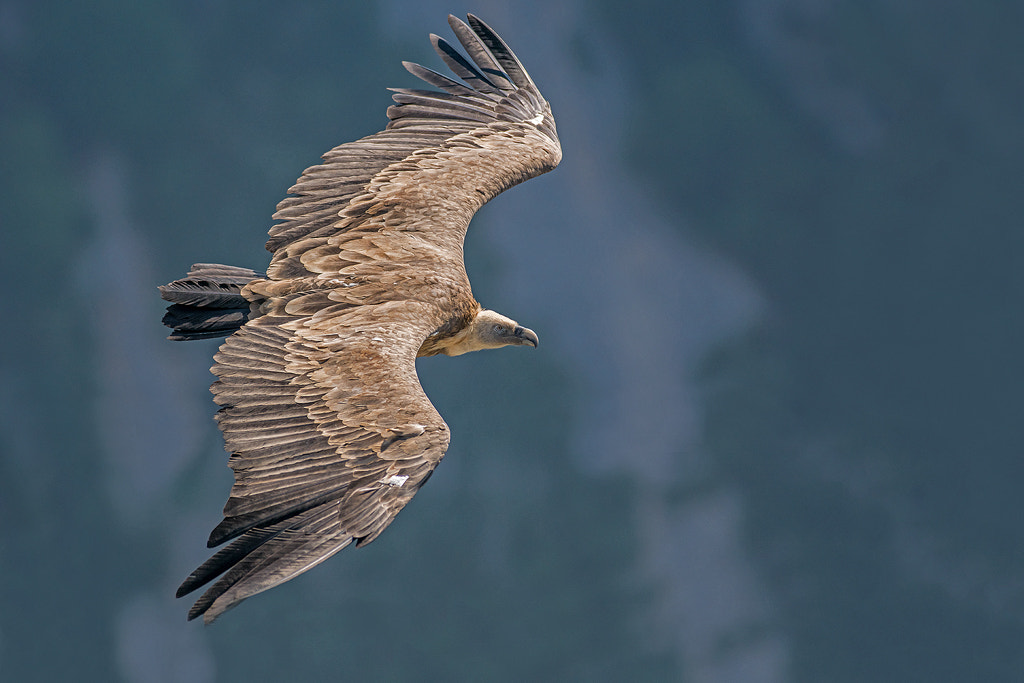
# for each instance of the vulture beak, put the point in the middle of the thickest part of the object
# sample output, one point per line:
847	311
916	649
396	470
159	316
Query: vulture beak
526	336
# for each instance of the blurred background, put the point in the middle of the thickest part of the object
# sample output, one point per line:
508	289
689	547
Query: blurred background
774	428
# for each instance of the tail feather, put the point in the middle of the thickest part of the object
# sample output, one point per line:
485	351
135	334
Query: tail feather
208	302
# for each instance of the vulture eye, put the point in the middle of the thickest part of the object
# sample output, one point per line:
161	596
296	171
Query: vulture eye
499	330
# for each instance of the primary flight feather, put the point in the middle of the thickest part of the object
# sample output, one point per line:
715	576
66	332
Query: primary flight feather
329	431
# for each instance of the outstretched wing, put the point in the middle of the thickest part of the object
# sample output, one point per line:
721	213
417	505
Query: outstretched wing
330	435
329	429
442	156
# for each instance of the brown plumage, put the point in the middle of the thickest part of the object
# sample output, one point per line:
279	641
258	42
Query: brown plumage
329	431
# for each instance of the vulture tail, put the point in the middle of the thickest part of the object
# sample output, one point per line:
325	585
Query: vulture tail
208	302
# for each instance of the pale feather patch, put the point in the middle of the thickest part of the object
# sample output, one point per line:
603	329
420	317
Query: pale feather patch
407	430
396	479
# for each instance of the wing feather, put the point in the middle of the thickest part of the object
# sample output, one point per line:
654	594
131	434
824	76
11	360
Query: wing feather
501	52
441	81
462	68
264	559
481	54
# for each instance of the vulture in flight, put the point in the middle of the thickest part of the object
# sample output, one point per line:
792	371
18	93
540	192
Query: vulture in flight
329	431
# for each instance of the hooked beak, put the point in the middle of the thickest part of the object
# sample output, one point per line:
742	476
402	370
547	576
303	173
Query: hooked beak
526	336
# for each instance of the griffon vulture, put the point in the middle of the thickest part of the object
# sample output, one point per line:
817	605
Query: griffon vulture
329	431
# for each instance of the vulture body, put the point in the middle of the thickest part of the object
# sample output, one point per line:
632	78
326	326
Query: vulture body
329	431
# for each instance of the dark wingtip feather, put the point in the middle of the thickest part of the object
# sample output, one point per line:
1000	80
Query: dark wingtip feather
229	528
501	52
264	558
461	67
438	80
223	559
480	53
